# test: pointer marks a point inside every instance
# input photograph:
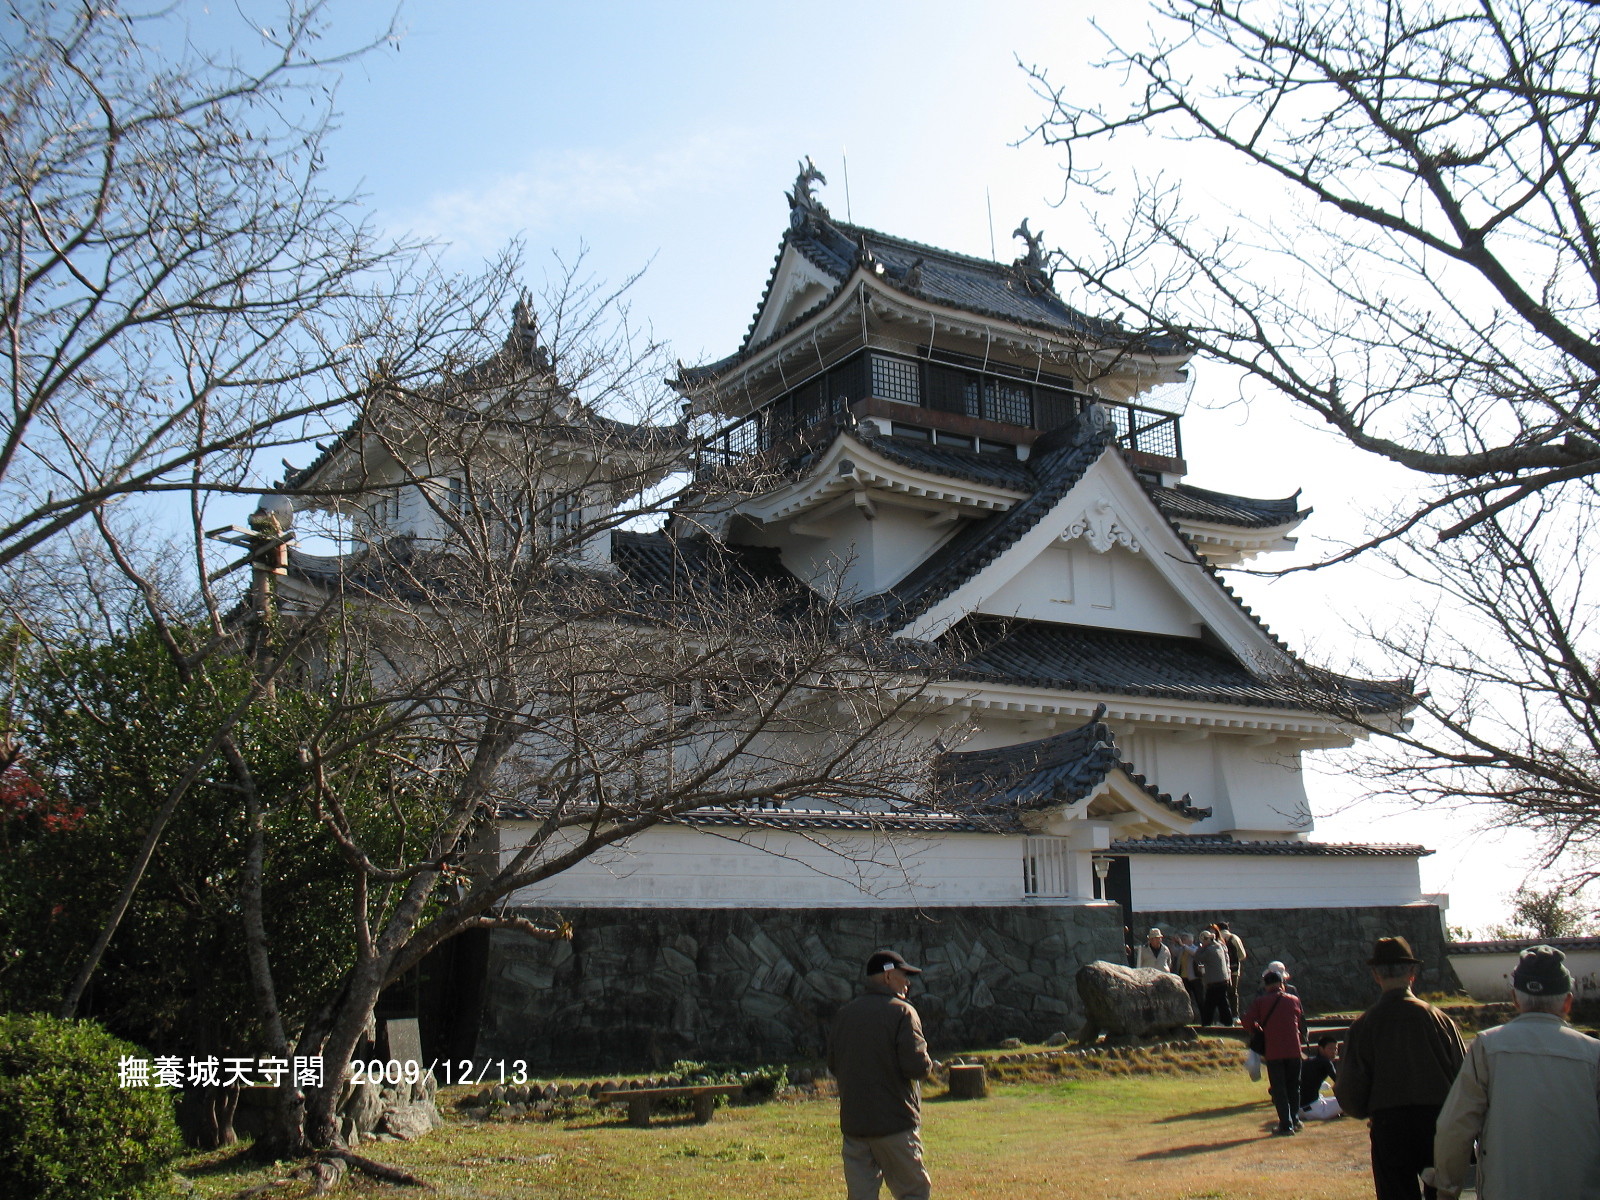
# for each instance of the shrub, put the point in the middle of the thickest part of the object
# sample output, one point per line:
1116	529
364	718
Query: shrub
68	1129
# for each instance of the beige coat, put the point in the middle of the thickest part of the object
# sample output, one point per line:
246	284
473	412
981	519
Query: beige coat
1529	1093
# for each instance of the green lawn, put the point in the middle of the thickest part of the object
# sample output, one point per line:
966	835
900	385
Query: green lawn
1184	1137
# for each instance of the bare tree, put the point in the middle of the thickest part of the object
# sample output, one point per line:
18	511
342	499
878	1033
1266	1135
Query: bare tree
179	294
1419	268
179	297
513	648
1431	288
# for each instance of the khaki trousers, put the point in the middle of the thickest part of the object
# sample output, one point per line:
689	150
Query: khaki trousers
895	1160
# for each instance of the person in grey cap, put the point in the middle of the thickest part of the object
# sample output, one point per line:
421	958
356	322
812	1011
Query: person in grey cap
1529	1095
877	1053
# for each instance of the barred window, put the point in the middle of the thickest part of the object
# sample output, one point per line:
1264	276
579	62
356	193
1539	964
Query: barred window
1044	867
952	391
896	379
807	401
846	383
561	514
1054	408
384	510
1007	402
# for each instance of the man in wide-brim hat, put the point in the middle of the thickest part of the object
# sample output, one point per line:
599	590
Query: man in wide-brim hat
1400	1058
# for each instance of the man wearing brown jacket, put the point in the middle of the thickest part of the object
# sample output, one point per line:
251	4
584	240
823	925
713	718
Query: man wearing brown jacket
1400	1058
878	1055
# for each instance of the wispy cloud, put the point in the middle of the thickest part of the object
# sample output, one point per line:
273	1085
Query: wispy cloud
573	190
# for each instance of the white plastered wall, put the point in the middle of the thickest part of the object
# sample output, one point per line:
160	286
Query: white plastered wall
1070	583
864	556
689	867
1162	882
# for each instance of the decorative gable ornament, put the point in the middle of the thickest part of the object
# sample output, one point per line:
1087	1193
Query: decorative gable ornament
1101	528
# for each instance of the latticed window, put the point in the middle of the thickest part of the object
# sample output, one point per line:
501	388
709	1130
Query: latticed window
952	391
1044	867
1007	402
1053	408
384	510
896	379
462	502
561	514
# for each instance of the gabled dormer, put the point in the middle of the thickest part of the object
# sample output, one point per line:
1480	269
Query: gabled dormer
943	348
503	455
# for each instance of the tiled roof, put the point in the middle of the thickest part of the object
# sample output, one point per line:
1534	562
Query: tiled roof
1223	843
805	819
1051	771
653	570
975	285
1007	291
389	571
1180	502
1517	945
1059	460
663	566
1223	508
1086	659
951	463
510	366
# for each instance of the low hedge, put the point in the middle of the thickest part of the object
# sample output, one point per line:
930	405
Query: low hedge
68	1129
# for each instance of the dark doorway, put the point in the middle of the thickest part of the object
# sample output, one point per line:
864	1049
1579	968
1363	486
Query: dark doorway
1119	884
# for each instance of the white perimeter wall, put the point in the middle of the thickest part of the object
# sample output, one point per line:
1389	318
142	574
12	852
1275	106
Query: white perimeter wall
1487	977
1209	881
689	867
683	866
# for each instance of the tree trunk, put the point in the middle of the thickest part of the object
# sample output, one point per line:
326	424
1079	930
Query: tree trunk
205	1115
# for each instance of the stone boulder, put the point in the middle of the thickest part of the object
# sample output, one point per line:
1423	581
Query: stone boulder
1142	1002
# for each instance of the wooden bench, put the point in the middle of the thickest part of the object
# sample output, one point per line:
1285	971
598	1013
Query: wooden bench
641	1102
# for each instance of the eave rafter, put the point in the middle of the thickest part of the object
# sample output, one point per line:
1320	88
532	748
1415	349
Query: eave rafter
1045	710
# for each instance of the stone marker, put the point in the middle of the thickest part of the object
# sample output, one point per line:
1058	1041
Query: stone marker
405	1042
1131	1001
968	1082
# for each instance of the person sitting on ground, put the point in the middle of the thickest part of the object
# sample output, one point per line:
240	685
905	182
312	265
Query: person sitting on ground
1155	952
1278	1016
1318	1067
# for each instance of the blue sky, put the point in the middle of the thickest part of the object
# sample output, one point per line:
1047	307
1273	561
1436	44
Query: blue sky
664	136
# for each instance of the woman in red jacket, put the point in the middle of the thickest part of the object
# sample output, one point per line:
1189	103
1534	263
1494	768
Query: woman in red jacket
1278	1017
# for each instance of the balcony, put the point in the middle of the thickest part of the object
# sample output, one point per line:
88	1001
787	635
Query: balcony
987	406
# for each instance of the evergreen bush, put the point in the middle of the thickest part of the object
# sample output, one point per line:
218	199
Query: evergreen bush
68	1129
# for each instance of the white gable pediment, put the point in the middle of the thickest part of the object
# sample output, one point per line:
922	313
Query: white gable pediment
798	285
1105	557
1119	804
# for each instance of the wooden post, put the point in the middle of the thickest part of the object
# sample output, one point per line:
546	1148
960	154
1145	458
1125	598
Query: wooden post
704	1105
639	1111
969	1082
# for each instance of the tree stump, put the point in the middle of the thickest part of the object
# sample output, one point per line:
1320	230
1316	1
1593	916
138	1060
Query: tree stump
969	1082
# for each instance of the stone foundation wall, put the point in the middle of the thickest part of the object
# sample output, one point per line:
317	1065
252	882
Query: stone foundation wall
648	986
1325	949
639	988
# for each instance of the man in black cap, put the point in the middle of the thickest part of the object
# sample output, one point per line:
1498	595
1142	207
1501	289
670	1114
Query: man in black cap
878	1055
1529	1094
1400	1058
